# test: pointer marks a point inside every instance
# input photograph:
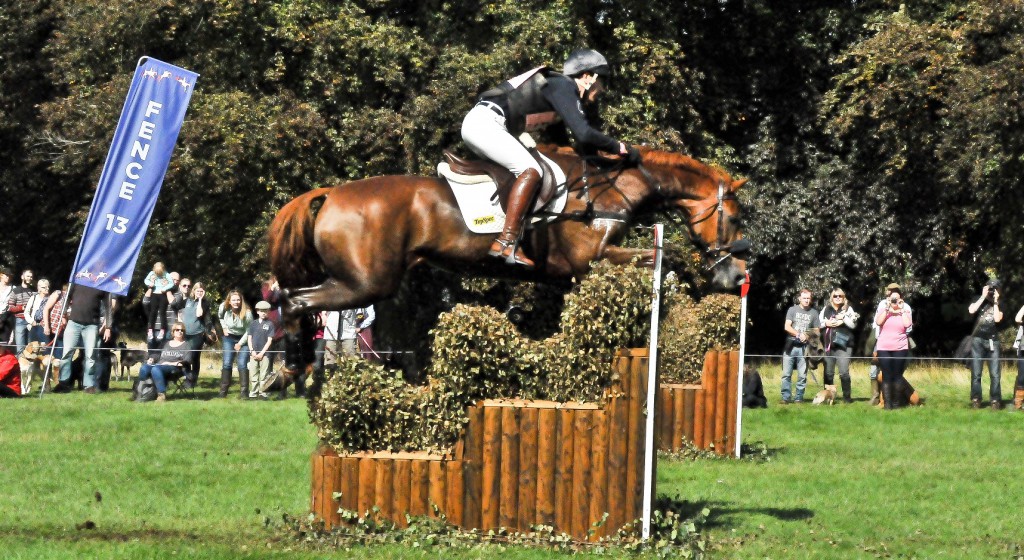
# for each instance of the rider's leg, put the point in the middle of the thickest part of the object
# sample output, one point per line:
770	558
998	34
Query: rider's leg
484	132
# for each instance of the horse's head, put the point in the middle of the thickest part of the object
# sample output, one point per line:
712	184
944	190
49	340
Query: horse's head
707	196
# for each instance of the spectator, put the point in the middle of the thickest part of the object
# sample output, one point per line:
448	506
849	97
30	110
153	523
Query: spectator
182	287
985	346
261	337
197	318
364	335
235	317
839	320
270	290
873	373
5	290
35	311
91	317
16	304
158	283
332	335
55	318
1018	387
353	323
799	319
894	322
171	361
10	369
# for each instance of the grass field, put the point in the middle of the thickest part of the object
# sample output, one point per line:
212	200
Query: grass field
198	478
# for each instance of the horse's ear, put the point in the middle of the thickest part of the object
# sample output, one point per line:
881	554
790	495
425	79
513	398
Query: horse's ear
737	184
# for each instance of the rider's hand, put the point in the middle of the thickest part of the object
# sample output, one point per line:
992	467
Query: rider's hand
631	154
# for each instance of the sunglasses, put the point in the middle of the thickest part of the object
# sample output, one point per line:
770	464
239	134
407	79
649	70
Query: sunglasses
186	285
177	330
840	296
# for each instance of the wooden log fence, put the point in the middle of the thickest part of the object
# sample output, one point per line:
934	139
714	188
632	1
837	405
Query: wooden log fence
705	414
519	464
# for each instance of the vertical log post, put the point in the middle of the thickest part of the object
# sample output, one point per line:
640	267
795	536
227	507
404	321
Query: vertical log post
547	458
528	439
473	468
509	496
563	472
721	402
491	489
733	404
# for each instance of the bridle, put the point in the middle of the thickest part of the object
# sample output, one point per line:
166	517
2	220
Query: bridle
715	208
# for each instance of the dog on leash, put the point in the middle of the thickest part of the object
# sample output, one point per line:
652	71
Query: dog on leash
826	396
129	358
32	358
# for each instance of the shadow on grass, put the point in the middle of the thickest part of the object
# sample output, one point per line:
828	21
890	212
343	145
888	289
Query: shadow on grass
719	511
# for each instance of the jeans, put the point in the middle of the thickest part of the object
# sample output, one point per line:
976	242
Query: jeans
795	357
984	349
159	373
36	334
239	357
319	350
842	356
77	334
20	334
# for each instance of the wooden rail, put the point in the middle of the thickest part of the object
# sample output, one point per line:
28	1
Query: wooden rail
519	464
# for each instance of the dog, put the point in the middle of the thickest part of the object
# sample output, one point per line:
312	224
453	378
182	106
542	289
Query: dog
826	396
129	358
32	359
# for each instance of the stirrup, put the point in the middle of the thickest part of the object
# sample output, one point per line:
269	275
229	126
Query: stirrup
510	253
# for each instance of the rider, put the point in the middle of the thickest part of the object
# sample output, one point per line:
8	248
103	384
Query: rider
525	103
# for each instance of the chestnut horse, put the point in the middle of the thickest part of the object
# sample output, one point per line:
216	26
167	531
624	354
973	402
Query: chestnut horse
357	247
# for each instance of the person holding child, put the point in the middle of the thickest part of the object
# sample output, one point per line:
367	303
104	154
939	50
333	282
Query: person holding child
158	285
260	337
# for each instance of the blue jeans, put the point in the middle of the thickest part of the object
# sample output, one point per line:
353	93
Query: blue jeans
20	334
983	349
75	335
795	357
159	374
239	357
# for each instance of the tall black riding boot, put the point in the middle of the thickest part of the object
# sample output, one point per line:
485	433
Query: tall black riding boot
225	382
243	379
520	197
845	382
887	394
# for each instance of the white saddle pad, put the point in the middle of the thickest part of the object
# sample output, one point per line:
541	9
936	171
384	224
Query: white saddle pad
478	201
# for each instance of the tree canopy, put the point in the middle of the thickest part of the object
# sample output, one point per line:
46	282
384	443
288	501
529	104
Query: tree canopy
882	140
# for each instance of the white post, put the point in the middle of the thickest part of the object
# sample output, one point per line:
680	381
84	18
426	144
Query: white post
652	386
743	350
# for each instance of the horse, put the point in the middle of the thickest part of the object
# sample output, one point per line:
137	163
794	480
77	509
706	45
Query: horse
364	237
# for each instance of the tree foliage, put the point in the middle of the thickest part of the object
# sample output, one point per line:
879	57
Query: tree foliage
881	139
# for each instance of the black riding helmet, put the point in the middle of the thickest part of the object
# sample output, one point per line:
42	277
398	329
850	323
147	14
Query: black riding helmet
586	60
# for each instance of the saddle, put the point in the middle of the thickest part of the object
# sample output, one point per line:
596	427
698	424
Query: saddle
502	177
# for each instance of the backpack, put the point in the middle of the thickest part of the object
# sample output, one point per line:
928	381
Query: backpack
144	391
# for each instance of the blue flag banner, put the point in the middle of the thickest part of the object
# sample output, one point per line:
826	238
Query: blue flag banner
132	176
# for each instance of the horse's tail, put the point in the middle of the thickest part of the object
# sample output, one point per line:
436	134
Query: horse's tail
293	258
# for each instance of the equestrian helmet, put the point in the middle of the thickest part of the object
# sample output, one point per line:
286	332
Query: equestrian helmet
586	60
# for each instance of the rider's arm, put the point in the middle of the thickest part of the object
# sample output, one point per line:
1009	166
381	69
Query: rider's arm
564	99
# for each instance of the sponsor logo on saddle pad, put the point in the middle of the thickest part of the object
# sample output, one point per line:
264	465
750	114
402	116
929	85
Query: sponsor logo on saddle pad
478	201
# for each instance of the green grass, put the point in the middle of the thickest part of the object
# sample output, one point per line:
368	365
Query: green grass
197	478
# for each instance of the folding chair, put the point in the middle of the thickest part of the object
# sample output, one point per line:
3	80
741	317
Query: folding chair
175	379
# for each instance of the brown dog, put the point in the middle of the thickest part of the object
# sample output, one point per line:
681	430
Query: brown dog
826	396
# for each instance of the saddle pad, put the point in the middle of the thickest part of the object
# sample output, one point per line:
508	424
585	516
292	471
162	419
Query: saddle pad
478	200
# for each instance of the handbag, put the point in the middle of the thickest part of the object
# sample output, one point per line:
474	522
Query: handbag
842	339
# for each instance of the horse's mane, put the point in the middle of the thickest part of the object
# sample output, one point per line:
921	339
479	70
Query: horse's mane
671	159
661	158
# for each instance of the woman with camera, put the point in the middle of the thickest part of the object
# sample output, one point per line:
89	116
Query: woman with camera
839	320
894	322
985	345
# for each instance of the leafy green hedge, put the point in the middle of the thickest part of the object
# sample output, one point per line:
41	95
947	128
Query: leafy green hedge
479	354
